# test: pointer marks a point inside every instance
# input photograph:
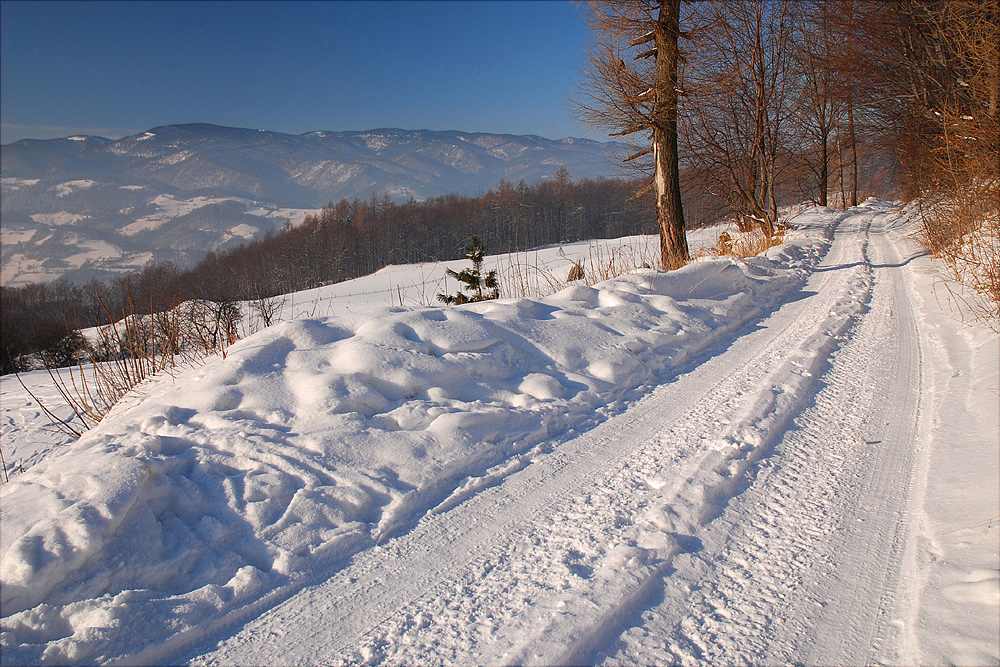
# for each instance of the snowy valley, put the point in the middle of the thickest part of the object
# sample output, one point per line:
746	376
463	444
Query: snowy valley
789	458
87	206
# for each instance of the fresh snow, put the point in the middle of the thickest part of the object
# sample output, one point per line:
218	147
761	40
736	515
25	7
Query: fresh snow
792	458
539	272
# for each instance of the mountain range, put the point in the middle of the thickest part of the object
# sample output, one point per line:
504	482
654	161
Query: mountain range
87	206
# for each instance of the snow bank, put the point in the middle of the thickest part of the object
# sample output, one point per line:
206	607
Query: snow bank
953	566
317	438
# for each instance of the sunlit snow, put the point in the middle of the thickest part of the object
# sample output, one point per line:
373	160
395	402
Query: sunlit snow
739	461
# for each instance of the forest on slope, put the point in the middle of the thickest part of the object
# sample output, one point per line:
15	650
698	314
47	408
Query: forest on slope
344	240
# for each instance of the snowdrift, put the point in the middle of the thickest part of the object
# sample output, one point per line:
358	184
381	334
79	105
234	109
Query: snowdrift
237	481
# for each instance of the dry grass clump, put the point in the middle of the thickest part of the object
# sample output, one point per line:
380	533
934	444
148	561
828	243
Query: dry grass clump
746	244
606	263
526	276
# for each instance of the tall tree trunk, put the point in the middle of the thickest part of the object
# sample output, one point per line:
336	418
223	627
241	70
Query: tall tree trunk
824	166
669	212
854	148
840	169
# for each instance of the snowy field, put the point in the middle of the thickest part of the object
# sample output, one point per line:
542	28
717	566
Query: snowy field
793	458
28	436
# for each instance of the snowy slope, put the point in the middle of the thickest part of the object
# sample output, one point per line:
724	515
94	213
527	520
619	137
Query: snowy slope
736	461
28	436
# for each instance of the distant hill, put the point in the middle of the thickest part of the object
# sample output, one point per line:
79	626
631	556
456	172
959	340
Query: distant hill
90	206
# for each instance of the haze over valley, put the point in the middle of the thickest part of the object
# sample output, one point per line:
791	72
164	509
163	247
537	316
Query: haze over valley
85	206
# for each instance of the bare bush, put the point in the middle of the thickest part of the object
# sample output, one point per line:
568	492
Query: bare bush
111	360
963	229
267	308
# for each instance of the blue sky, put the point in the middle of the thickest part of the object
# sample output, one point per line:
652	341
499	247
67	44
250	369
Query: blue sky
118	68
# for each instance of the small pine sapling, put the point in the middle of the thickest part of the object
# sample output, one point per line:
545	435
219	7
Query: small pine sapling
480	287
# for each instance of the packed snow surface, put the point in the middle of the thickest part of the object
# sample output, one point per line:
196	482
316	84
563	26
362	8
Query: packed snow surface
789	458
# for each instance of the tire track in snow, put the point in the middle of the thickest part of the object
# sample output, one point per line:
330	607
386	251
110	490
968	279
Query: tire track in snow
881	530
553	549
725	474
802	568
616	598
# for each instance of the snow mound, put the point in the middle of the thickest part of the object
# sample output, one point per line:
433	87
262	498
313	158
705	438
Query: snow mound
203	494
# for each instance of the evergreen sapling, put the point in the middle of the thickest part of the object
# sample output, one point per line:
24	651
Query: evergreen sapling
480	288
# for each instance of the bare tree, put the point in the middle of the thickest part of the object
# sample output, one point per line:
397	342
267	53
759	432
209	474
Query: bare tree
641	96
819	106
737	88
852	25
949	133
846	38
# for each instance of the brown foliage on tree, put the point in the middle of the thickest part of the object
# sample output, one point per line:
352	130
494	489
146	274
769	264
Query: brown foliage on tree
937	67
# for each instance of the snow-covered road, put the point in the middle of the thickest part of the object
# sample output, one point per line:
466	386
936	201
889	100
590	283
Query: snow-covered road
773	497
753	510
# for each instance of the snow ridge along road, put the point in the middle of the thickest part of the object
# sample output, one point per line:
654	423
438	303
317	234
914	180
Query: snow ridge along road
751	509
